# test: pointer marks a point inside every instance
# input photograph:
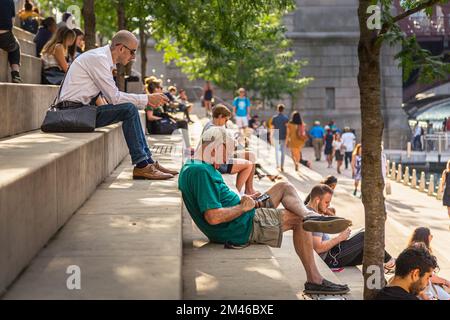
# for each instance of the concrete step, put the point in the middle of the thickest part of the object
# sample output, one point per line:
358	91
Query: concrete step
126	239
44	179
24	107
22	34
30	69
27	47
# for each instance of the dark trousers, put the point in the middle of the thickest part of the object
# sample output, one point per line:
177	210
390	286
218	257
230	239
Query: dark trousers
9	43
348	158
349	253
131	126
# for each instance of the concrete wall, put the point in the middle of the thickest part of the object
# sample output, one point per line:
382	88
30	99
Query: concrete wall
37	197
23	107
30	68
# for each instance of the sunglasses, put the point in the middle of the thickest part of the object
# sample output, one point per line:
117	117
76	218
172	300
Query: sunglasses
132	51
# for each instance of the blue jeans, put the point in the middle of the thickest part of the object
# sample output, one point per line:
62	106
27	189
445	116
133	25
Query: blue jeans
280	151
131	126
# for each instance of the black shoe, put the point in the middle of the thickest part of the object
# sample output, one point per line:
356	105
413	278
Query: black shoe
327	287
325	224
15	77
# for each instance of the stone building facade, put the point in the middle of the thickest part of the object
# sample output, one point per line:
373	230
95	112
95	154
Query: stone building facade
326	33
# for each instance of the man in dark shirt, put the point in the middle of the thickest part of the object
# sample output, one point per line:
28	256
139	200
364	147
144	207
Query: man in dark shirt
7	40
413	270
279	131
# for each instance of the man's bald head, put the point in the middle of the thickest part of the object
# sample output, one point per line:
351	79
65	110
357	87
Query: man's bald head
123	47
124	37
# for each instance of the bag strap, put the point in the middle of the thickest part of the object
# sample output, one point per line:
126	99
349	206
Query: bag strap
53	105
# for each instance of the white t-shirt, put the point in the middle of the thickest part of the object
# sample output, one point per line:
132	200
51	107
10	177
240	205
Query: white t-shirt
337	145
348	139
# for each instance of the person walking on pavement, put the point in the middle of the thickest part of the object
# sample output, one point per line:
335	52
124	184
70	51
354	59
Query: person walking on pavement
296	138
445	186
349	141
317	133
279	131
338	150
329	137
417	142
241	109
208	95
357	166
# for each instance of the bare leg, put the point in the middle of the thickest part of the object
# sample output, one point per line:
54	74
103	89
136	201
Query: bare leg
303	244
339	165
285	193
250	157
448	211
14	67
244	170
296	157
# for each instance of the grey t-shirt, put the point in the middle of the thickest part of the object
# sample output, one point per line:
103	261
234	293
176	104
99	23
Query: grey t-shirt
279	122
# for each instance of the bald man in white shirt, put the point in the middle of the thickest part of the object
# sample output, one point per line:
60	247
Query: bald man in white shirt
91	74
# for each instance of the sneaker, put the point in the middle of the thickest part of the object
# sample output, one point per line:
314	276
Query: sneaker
150	173
326	287
325	224
15	77
165	170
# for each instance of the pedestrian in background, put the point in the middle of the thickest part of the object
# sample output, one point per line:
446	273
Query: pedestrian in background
317	133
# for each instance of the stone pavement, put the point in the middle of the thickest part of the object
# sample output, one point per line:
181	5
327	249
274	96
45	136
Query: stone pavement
126	239
406	208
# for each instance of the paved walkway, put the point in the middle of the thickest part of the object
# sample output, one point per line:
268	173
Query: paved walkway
126	240
407	209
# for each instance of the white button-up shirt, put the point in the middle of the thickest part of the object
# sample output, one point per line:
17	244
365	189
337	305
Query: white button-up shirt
90	74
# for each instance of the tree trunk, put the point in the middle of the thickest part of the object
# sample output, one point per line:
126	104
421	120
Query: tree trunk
372	130
122	25
143	46
89	23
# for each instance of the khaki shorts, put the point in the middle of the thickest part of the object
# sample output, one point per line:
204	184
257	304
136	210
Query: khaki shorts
267	227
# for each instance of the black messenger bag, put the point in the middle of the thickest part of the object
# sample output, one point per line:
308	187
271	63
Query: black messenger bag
68	116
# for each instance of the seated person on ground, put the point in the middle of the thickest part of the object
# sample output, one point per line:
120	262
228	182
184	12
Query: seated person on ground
184	105
413	270
44	34
241	162
330	181
159	121
29	20
224	217
90	74
54	56
340	251
438	287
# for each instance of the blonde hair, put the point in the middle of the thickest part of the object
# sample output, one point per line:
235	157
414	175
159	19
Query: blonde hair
357	149
59	37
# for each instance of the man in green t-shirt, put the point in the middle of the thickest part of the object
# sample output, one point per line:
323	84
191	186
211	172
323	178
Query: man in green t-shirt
225	218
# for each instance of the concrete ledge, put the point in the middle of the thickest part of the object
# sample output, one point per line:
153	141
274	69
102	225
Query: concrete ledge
23	34
126	239
30	68
24	107
44	179
27	47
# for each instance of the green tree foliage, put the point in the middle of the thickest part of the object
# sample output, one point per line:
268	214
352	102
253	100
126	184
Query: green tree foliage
265	64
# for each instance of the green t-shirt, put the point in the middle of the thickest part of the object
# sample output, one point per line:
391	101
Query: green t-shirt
203	188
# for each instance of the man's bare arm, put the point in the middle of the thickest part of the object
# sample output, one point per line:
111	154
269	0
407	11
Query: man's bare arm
222	215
